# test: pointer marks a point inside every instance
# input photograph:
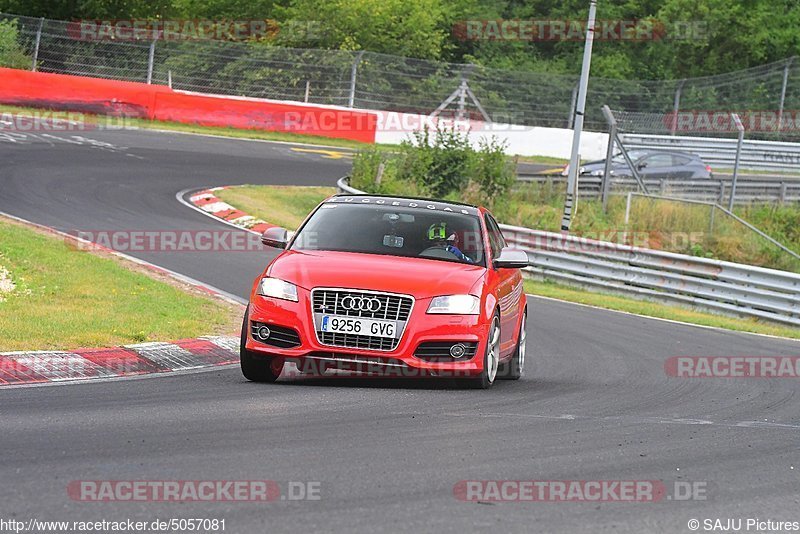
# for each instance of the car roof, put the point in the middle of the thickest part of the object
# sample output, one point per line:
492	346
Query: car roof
651	152
408	202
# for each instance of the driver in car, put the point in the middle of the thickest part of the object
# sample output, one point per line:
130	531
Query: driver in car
438	236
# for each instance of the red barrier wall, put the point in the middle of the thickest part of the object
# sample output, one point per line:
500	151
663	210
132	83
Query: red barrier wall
111	97
77	93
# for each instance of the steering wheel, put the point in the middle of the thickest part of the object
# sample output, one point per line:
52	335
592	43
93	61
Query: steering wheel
438	252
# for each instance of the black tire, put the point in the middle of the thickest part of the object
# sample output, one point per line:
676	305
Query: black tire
256	368
515	367
487	377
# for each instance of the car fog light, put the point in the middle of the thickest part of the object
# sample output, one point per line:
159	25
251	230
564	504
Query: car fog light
263	333
458	350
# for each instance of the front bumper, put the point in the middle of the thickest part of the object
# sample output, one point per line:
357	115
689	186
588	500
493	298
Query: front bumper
421	327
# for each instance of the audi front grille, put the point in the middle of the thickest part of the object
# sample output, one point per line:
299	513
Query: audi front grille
363	304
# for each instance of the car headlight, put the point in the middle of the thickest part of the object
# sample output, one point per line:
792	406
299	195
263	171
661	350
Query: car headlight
455	304
279	289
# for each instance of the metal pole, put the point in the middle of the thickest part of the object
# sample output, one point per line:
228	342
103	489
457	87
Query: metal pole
630	164
169	78
572	104
627	216
36	45
580	108
676	106
308	89
462	99
353	73
739	127
150	59
786	69
612	134
711	220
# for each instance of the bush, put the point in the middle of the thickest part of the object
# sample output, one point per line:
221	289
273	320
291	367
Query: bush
494	173
11	53
440	165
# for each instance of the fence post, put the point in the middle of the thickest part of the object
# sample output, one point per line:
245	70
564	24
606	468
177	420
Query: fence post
308	89
786	69
612	135
711	220
353	74
782	198
739	127
150	59
36	45
676	106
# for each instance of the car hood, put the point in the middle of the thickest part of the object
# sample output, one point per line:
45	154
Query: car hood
418	277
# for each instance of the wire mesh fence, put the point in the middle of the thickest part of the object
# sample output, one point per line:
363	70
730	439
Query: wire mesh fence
383	82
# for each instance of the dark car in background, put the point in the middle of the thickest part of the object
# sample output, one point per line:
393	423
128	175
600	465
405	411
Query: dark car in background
653	164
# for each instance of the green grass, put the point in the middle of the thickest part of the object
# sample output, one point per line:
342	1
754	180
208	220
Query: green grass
67	298
285	206
654	309
662	225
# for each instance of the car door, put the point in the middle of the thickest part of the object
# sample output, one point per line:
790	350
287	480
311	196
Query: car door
656	166
682	167
509	289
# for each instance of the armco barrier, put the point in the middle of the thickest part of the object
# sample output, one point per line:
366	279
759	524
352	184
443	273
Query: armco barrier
718	286
721	152
748	190
93	95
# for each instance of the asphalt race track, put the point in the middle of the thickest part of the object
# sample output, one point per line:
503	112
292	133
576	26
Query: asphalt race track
596	404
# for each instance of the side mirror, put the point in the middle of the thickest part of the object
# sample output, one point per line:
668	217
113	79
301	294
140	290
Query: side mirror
640	166
275	237
511	258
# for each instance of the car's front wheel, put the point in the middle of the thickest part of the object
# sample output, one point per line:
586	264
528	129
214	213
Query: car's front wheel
491	359
257	368
514	368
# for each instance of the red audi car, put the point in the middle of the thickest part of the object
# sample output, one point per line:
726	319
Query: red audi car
401	286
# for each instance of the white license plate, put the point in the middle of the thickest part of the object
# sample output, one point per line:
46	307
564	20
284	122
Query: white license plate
355	325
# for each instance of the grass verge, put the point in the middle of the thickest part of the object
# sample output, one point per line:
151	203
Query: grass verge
59	297
285	206
662	225
289	204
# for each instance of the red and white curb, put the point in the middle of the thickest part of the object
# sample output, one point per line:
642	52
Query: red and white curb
22	368
210	204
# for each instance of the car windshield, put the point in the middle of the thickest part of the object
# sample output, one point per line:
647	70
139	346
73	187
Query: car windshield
394	231
633	154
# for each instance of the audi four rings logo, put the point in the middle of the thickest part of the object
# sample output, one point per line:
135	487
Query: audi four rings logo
351	303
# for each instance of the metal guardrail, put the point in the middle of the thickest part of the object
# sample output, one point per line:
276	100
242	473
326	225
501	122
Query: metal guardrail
723	287
714	190
721	152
